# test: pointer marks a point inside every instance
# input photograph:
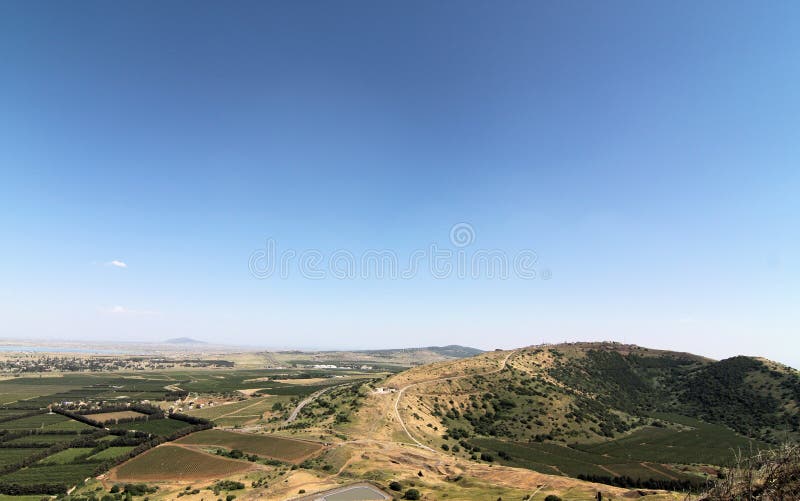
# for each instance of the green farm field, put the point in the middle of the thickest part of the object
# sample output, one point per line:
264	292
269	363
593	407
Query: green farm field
697	442
156	426
239	413
13	455
110	453
41	421
66	456
68	474
284	449
43	438
639	454
169	462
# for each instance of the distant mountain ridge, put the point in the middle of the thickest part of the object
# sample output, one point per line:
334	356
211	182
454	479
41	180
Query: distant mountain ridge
450	351
183	340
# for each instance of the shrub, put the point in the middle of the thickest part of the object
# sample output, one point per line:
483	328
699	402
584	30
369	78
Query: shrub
771	474
395	486
412	494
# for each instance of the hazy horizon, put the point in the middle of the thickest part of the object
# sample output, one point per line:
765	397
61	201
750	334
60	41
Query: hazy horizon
367	174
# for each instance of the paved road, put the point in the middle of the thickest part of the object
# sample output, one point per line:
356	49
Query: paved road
451	378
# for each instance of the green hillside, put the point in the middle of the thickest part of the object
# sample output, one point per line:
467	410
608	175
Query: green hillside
613	409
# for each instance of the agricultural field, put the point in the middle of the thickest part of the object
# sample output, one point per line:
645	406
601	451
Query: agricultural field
270	446
695	442
51	474
67	456
9	414
13	455
640	454
105	417
110	453
169	462
38	422
155	426
242	412
67	425
42	438
45	453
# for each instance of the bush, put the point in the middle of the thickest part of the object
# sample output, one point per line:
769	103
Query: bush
771	474
552	497
395	486
412	494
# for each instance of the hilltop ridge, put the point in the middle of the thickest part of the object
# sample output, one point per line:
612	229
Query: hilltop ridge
592	407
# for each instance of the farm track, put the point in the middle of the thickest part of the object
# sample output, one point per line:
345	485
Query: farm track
671	477
237	411
308	400
450	378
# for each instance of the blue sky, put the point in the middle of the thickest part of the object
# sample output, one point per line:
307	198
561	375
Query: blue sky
647	152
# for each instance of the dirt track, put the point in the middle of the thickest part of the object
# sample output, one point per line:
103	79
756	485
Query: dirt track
449	378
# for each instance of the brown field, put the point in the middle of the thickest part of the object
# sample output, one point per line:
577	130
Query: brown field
284	449
172	463
104	417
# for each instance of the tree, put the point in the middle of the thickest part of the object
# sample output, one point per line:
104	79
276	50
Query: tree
412	494
552	497
395	486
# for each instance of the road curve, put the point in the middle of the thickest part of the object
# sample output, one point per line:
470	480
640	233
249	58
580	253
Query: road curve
308	400
451	378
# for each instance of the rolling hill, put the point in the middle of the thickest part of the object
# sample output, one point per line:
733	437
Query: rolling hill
449	351
604	411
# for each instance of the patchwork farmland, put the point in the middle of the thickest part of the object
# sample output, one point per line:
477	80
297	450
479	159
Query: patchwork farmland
59	431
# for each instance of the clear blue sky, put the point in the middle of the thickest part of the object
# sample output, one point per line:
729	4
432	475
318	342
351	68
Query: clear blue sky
649	152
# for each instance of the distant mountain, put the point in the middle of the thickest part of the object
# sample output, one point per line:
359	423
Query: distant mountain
454	351
449	351
183	340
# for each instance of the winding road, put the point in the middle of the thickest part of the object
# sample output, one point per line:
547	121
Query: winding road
310	399
451	378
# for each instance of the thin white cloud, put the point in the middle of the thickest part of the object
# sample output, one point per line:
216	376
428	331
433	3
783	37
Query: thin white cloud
123	310
118	264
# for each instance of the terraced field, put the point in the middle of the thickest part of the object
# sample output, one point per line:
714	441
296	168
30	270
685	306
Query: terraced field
284	449
169	462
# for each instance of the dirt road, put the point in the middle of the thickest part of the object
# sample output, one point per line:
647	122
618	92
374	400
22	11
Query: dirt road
451	378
